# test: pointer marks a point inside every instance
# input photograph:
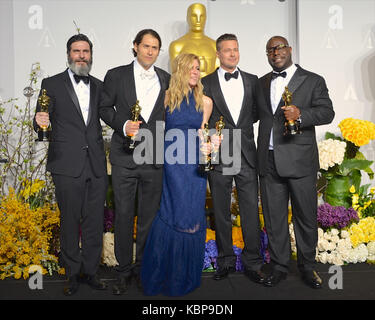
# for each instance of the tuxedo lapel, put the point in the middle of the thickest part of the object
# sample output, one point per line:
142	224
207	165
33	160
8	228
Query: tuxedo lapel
297	79
72	93
219	99
93	98
246	93
128	84
159	101
267	91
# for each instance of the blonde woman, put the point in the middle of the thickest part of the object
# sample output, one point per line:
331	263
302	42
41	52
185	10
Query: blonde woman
173	257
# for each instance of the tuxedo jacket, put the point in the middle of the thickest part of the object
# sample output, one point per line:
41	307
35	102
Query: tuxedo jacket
71	139
117	99
295	156
253	100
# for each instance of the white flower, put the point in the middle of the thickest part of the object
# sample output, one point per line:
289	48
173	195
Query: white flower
371	248
320	232
337	260
322	257
292	238
108	253
331	152
323	245
358	254
344	234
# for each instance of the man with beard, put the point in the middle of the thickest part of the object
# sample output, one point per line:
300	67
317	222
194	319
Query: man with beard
76	160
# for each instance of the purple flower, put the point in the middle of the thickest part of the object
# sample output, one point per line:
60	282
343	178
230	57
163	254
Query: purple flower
237	251
338	217
210	254
211	249
264	246
109	218
207	261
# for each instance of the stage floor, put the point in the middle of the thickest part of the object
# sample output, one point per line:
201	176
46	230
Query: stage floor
358	282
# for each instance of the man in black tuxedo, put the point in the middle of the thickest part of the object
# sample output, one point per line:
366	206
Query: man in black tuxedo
288	165
236	96
76	160
123	86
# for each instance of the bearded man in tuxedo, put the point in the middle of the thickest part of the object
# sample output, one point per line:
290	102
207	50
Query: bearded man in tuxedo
76	160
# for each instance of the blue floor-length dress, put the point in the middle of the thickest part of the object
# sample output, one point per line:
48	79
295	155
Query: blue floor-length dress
174	252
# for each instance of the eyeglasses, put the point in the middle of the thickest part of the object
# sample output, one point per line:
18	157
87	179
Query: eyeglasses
273	49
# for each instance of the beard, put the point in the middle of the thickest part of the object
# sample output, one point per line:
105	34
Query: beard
80	70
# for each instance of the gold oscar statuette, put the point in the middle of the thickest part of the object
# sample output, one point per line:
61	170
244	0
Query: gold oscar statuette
196	42
44	131
206	166
136	111
219	125
291	126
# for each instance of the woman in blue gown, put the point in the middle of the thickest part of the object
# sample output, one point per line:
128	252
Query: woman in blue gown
174	252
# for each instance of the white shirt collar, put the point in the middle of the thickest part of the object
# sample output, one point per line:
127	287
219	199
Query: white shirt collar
222	72
71	76
138	69
289	71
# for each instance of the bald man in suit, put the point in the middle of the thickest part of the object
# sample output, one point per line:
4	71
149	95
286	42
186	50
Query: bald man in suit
288	164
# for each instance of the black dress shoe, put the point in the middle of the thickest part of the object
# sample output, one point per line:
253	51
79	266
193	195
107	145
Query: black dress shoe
312	279
72	286
255	276
121	286
221	273
274	278
94	282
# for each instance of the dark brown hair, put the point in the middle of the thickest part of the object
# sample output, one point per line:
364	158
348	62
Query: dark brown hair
225	37
141	34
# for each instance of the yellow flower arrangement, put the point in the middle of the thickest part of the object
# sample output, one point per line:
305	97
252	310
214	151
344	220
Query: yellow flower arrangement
359	132
237	237
336	180
31	188
363	201
210	235
363	231
26	234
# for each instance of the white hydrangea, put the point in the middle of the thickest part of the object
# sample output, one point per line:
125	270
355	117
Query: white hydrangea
331	152
371	247
371	251
335	247
108	253
358	254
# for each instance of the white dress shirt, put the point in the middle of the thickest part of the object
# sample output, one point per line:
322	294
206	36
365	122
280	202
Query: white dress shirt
82	91
276	91
233	92
147	87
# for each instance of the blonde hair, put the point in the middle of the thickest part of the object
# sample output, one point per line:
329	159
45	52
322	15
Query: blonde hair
179	84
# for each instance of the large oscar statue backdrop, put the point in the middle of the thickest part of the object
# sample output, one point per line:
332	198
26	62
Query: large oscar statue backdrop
195	41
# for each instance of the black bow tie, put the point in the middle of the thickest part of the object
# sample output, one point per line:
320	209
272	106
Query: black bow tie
85	79
229	75
278	74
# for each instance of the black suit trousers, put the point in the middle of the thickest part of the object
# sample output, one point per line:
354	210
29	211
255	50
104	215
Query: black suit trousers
81	202
247	189
275	193
143	183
